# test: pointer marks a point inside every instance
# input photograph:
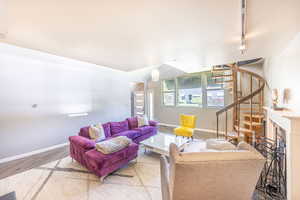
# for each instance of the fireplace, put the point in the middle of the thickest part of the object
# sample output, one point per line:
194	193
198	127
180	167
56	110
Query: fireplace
282	146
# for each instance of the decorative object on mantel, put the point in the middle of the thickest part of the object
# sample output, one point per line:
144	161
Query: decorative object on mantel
275	100
286	95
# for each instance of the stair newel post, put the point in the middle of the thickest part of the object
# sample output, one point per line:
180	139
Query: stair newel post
217	125
251	105
239	111
260	95
226	124
235	93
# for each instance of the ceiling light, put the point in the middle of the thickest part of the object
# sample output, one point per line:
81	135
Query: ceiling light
78	114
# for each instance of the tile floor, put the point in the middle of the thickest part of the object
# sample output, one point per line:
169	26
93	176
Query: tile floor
67	180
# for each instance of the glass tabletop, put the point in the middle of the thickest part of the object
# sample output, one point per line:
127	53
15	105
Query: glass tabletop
162	141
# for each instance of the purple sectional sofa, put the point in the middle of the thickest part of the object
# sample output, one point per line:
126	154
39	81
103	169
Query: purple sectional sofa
82	148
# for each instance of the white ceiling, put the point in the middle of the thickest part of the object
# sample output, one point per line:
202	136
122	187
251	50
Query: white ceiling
134	34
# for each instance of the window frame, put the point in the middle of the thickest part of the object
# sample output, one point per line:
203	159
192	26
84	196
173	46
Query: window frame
214	89
204	90
177	90
223	98
168	92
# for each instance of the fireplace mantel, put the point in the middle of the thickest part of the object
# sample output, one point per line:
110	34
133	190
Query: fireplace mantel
290	122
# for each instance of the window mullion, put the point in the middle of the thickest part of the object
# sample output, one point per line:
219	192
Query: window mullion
204	90
176	91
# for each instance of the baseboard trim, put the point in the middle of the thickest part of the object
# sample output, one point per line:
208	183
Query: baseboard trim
8	159
197	129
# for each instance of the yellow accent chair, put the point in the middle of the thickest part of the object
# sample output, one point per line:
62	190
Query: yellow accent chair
187	126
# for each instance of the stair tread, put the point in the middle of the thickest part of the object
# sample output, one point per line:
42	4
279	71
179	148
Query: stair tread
220	69
220	77
225	81
245	130
234	134
254	115
247	102
248	109
253	123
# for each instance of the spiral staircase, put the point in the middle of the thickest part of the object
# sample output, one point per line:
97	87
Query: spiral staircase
243	118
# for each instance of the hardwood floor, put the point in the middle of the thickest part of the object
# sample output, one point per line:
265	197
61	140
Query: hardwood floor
197	134
30	162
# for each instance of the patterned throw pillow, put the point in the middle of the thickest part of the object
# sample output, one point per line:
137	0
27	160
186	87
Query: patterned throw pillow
142	121
96	132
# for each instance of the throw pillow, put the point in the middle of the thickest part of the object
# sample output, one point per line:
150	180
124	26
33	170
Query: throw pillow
142	121
96	132
113	145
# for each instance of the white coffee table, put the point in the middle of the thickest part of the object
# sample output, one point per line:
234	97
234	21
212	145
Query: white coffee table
160	143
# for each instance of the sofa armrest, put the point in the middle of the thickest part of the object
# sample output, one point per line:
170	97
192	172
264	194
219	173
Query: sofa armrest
153	123
165	178
82	142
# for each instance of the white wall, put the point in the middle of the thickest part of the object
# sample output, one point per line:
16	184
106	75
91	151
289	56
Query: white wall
58	86
283	72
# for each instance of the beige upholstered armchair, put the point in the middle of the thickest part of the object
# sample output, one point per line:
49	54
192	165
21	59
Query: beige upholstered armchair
210	175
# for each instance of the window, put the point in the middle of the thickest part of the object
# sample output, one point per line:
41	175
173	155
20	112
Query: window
214	92
189	91
195	90
168	92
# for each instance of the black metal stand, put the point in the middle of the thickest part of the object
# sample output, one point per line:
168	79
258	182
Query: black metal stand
272	182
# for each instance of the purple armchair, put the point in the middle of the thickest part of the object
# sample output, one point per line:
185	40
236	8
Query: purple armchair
82	148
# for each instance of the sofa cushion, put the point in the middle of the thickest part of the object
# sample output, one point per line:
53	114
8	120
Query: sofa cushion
142	121
132	134
84	132
107	130
132	122
145	129
98	160
153	123
82	142
96	132
118	127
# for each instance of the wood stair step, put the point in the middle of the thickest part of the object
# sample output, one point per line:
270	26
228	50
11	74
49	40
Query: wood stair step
247	102
243	130
223	82
220	70
249	109
253	123
254	115
234	134
221	76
